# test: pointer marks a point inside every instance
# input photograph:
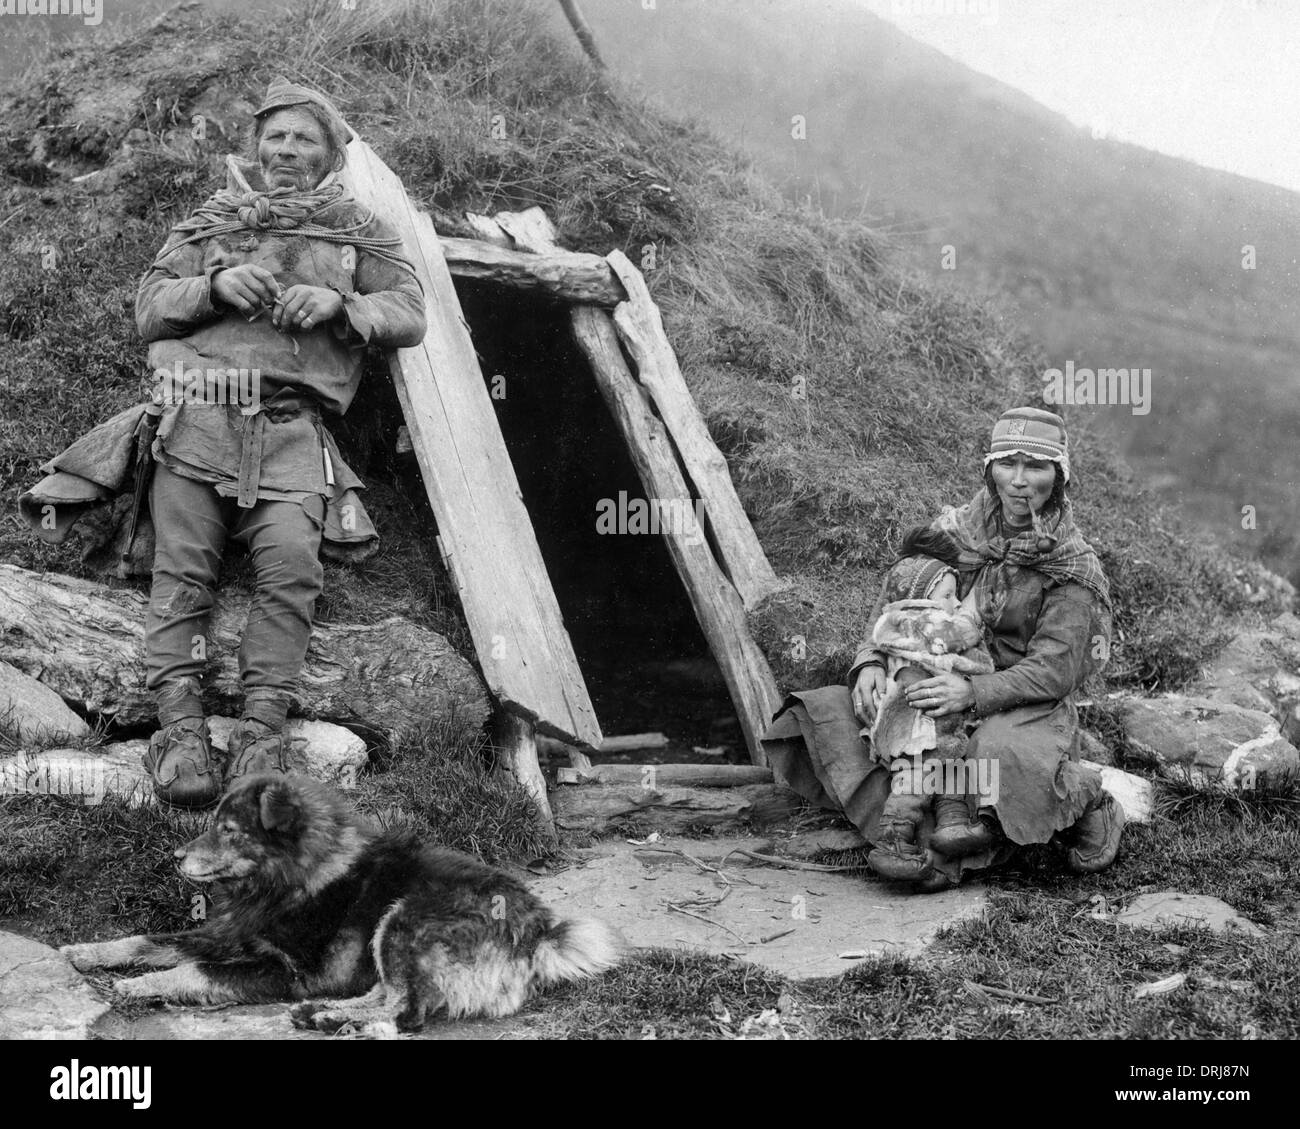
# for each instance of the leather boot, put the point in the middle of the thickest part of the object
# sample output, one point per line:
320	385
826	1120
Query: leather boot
956	834
1093	841
255	747
186	770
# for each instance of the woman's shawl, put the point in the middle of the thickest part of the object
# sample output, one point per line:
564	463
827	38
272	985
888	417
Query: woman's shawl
979	546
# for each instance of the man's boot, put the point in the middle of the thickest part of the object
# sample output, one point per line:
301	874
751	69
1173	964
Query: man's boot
956	835
255	747
1093	841
186	770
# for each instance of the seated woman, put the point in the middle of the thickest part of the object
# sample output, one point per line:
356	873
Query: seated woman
1041	594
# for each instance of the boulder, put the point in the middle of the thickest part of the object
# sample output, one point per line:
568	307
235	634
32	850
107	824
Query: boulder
41	995
316	748
1167	909
33	713
1258	670
1135	795
1212	742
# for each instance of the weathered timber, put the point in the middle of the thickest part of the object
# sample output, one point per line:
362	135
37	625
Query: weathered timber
717	605
668	775
516	742
597	808
85	641
622	743
566	275
484	528
642	331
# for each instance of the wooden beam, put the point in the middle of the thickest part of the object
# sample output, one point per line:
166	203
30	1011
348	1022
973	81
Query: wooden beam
516	742
566	275
668	775
717	605
641	330
484	528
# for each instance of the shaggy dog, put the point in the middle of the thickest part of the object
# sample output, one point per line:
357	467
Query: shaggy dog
318	904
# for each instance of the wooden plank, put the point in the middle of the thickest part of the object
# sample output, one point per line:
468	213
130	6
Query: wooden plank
622	743
717	605
565	275
491	550
516	741
668	775
642	331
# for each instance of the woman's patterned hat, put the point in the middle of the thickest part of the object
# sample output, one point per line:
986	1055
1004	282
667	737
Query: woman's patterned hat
914	578
1032	432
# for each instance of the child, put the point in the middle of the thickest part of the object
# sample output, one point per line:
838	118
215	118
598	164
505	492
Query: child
922	630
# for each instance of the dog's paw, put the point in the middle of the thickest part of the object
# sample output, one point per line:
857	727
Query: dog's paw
300	1015
84	958
143	987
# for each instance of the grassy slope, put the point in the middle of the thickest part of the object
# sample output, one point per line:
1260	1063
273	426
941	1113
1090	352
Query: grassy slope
902	379
1114	255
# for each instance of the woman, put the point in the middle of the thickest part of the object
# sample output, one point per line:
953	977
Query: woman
258	310
1041	593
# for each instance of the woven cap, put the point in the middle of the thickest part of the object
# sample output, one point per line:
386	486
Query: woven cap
914	578
282	94
1033	432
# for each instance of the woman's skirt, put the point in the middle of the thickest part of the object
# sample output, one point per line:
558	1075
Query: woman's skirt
1023	763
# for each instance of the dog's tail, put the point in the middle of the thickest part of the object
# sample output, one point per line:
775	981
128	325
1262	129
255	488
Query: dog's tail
577	948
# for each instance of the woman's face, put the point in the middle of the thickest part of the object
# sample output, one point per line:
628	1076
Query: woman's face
1024	484
293	151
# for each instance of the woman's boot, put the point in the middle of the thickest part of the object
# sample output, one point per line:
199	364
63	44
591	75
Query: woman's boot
1093	841
956	834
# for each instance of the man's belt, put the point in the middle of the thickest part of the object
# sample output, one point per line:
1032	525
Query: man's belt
280	408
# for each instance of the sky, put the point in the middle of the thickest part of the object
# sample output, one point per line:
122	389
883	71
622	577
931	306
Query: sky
1214	81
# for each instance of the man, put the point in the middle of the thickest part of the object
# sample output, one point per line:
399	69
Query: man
258	310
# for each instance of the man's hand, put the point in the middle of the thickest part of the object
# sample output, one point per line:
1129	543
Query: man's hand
867	692
941	695
305	307
247	287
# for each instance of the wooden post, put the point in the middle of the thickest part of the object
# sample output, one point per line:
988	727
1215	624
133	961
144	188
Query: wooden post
582	30
516	739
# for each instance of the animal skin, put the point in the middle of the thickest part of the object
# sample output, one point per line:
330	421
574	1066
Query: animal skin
372	931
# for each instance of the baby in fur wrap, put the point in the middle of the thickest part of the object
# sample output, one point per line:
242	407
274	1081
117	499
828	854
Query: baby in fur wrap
923	630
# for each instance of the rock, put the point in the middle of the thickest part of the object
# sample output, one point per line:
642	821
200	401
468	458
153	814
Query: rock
41	995
812	843
1134	794
1165	909
1246	671
33	712
92	774
1213	742
317	748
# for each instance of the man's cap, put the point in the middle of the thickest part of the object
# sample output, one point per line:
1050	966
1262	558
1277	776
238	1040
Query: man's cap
282	94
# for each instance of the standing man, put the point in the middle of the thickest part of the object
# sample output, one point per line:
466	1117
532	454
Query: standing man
257	312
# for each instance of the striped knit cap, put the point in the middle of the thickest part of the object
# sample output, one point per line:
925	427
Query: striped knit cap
914	578
1032	432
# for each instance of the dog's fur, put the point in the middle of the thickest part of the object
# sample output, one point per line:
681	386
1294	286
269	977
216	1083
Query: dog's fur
315	903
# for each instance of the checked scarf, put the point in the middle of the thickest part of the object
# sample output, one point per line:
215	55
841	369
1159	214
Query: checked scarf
240	207
981	547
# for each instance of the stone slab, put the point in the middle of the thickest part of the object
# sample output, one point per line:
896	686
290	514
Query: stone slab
41	995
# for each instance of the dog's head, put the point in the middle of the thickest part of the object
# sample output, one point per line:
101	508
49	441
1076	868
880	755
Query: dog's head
271	829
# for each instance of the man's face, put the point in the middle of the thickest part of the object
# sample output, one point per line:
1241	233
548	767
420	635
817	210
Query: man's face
293	150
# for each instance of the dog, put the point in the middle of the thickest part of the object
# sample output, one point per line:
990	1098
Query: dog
373	932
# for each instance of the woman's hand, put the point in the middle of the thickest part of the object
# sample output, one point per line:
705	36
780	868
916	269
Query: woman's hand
247	287
941	695
305	307
867	692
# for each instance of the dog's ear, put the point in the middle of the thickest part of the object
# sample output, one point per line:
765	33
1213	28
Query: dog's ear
278	806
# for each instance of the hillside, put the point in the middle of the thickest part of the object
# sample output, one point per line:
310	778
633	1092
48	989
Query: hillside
1112	254
903	378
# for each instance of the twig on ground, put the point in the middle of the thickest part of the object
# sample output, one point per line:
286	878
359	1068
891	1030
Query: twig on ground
698	862
775	936
792	864
985	990
708	921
